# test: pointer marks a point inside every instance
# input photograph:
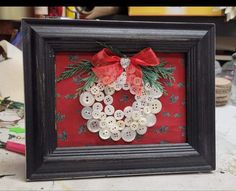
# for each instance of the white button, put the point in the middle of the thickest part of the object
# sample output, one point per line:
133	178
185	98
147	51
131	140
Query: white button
156	92
156	106
110	121
149	99
121	80
125	87
99	96
128	135
138	98
86	99
135	115
134	125
114	128
104	134
119	114
118	87
103	124
87	112
109	90
93	125
141	130
94	90
142	121
103	116
108	100
144	92
109	109
121	124
137	81
136	105
100	86
142	103
128	111
128	121
147	109
96	114
97	106
147	86
116	136
151	120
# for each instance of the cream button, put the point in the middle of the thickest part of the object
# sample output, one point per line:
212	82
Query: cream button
142	121
86	99
87	112
135	115
156	106
136	105
134	125
114	128
119	114
100	86
125	86
103	124
116	136
108	100
128	135
109	90
97	106
104	134
118	87
147	109
141	130
156	92
151	120
128	111
121	124
103	116
109	109
149	99
128	121
96	114
93	125
110	121
94	90
99	97
147	86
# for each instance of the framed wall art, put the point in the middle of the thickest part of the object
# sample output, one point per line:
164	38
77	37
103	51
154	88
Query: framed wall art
115	98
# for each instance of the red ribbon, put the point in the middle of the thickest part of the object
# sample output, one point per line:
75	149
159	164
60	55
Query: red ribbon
107	66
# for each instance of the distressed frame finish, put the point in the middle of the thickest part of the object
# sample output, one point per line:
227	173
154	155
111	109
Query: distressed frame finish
45	161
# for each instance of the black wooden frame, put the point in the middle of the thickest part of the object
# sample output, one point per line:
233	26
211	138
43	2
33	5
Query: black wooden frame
42	38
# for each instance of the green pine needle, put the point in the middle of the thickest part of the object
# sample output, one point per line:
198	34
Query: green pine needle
84	66
114	50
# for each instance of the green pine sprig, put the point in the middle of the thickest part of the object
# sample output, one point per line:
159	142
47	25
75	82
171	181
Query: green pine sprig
114	50
83	67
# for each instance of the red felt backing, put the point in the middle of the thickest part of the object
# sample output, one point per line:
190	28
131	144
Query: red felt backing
71	127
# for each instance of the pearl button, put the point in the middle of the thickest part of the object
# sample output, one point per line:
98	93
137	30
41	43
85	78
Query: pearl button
128	135
147	109
99	97
156	92
103	124
87	112
134	125
109	110
136	115
100	86
109	90
118	114
136	105
142	121
128	111
156	106
96	114
86	99
104	134
103	116
121	124
94	90
97	106
110	121
118	87
151	120
141	130
108	100
125	87
116	136
114	128
93	125
128	121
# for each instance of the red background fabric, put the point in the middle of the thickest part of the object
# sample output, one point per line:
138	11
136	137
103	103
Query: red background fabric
71	127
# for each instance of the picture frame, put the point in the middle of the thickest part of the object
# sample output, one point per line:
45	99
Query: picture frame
42	38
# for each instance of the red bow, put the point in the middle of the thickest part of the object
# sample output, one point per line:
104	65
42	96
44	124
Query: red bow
107	67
